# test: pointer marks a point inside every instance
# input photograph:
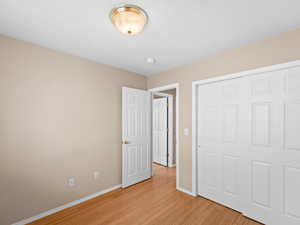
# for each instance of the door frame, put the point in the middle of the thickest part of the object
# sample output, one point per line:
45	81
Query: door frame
196	84
165	88
170	125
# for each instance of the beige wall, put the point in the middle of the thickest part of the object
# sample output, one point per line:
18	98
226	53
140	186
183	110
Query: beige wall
60	116
274	50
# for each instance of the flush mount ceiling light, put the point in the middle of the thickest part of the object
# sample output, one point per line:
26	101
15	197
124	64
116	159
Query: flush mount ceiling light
129	19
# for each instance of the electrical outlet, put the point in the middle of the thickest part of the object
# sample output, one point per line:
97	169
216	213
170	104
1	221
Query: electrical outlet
71	182
96	175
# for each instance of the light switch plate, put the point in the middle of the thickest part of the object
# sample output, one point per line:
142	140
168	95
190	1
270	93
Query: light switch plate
96	175
186	131
71	181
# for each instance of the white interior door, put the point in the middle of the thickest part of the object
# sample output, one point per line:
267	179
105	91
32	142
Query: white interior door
136	145
160	131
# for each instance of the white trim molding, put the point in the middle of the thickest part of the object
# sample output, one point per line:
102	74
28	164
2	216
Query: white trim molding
162	94
186	191
275	67
194	140
68	205
165	88
195	85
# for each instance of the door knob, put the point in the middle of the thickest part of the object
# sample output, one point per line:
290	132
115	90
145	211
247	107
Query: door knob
125	142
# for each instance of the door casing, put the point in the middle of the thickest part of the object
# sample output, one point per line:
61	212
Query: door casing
165	88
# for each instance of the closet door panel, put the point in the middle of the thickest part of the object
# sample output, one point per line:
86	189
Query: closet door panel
289	155
220	141
260	180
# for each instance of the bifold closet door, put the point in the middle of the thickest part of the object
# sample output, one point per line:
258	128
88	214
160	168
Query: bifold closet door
261	181
249	145
160	131
272	161
220	141
289	155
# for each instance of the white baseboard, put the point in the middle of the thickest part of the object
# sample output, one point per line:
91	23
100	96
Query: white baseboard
70	204
172	165
186	191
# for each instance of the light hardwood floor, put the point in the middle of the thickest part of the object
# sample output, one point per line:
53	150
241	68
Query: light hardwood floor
152	202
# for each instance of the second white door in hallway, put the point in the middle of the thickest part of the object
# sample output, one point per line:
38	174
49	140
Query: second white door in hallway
160	131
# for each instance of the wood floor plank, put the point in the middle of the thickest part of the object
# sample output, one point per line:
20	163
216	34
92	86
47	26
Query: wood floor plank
152	202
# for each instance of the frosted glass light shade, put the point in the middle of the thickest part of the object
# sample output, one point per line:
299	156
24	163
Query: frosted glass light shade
129	19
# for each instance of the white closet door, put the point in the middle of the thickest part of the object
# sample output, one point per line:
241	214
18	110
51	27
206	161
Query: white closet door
220	141
261	182
160	131
209	133
289	155
272	180
233	116
249	145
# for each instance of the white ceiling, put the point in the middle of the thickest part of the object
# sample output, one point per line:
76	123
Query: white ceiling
179	32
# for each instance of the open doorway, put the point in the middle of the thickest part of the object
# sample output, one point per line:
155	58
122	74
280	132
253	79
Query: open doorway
165	131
